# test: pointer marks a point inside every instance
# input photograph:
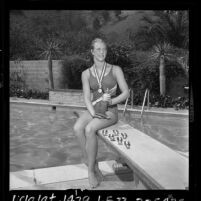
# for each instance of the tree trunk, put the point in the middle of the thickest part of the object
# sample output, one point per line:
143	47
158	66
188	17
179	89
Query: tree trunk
51	82
162	76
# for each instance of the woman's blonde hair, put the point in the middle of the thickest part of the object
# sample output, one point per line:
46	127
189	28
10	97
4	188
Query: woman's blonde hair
97	40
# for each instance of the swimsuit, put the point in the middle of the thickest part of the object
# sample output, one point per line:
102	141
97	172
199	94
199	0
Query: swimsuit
108	82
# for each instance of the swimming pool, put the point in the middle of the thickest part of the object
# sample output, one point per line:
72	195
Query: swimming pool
173	131
41	137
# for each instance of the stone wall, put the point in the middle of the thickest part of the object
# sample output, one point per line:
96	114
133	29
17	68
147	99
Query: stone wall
35	73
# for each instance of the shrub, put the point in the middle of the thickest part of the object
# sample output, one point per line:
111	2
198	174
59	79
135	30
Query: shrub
168	101
28	93
119	55
71	71
143	74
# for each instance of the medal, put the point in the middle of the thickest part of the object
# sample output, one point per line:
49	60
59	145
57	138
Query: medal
99	80
100	90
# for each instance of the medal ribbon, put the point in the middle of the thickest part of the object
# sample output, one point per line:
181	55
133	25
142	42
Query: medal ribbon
99	80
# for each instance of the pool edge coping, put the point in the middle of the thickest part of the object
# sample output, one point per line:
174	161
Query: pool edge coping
84	107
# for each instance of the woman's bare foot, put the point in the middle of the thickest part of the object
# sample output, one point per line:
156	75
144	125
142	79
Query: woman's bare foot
93	181
97	170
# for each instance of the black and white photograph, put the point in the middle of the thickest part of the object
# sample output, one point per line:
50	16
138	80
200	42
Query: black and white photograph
99	99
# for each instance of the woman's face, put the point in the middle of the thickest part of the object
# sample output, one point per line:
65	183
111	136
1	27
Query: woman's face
99	51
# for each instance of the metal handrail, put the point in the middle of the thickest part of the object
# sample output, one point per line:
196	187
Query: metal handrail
126	103
145	96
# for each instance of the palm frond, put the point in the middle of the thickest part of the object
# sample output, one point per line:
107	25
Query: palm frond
50	47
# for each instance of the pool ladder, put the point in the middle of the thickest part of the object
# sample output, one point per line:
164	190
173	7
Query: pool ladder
126	103
146	95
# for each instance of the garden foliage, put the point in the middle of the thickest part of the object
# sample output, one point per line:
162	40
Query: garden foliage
30	30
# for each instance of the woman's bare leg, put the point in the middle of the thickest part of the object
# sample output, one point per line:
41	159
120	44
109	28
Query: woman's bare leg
92	144
79	131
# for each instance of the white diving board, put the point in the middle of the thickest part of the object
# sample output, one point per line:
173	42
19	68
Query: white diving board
156	164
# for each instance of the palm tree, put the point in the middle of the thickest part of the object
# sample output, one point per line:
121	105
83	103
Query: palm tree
166	36
162	52
178	27
50	49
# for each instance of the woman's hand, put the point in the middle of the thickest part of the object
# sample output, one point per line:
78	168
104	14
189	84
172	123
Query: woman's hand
106	97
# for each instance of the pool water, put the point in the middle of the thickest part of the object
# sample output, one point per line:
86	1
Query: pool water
41	137
173	131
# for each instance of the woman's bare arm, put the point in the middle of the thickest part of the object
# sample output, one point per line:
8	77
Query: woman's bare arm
87	93
118	73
